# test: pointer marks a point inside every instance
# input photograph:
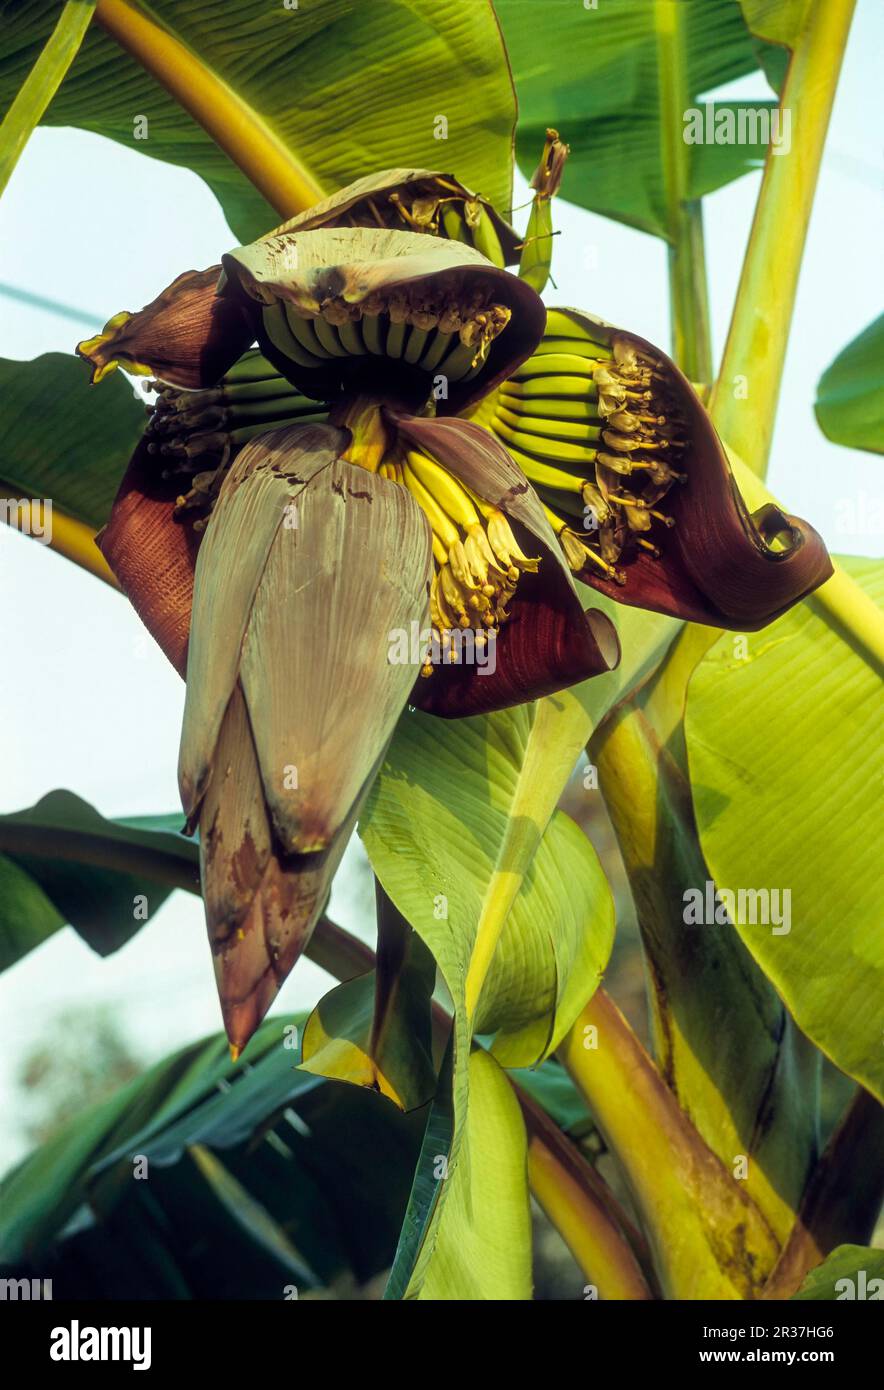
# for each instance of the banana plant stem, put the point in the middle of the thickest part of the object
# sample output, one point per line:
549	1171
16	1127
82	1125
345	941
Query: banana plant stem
240	132
744	399
708	1238
688	288
41	84
579	1205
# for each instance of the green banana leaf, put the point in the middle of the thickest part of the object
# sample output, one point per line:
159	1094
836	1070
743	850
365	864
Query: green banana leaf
374	1031
483	1242
599	76
57	442
777	21
786	770
721	1035
436	1162
850	394
531	752
446	828
460	831
851	1272
261	1179
347	87
40	1194
776	25
62	862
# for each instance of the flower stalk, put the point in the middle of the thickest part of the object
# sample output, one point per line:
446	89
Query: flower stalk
579	1205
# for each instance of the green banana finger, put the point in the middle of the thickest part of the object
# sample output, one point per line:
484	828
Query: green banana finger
549	429
561	325
305	333
552	343
576	386
351	338
416	345
252	366
543	475
328	336
485	238
458	362
453	224
276	326
437	350
555	451
396	339
373	333
270	388
555	364
563	409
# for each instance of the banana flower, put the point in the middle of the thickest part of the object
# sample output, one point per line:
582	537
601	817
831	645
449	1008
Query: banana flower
416	446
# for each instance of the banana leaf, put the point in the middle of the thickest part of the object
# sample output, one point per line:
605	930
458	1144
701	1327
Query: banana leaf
62	862
779	722
598	75
852	1272
339	87
57	443
261	1179
850	393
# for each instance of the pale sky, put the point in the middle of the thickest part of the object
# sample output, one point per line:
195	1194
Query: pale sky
89	703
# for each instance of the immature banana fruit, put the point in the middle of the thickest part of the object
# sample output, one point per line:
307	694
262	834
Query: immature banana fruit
591	420
198	434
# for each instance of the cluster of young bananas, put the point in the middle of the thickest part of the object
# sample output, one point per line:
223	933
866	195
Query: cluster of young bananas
450	338
199	433
446	212
596	428
477	560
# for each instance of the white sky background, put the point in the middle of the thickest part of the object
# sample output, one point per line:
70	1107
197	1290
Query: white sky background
88	703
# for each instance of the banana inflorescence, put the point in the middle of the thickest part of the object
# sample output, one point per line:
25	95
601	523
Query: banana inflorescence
596	422
199	433
592	425
477	558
